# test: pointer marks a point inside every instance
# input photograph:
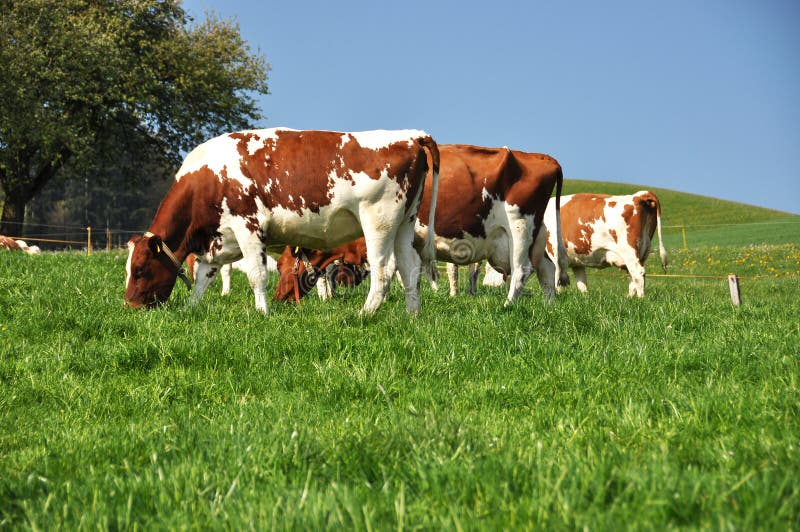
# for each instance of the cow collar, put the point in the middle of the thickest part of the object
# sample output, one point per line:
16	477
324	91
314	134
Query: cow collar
171	256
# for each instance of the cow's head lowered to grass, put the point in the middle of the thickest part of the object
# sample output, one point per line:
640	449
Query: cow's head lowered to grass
151	271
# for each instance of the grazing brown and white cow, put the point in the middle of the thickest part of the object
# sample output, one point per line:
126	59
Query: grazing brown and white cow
601	230
491	205
30	250
239	194
301	269
11	244
6	242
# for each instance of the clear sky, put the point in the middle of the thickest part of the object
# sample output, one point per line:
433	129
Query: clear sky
695	96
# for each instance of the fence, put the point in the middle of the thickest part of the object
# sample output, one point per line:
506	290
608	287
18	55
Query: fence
718	228
66	237
63	237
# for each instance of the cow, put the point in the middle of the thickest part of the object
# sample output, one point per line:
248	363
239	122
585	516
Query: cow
491	205
600	230
302	269
6	242
241	194
11	244
30	250
225	270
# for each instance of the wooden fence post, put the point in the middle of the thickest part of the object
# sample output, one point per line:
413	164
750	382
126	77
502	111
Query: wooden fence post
733	284
683	231
89	241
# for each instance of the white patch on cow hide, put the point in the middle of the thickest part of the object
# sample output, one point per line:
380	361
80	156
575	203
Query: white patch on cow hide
221	152
380	138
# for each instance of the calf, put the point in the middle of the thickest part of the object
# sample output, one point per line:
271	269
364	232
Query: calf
601	230
241	194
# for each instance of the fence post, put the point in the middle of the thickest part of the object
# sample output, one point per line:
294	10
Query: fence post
108	239
683	232
733	284
89	241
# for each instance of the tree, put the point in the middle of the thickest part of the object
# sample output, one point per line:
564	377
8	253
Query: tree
91	84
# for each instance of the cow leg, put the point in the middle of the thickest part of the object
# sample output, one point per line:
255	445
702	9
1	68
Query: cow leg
254	265
392	273
408	264
521	236
545	269
323	287
432	278
637	273
331	275
580	278
225	275
474	270
204	276
452	277
492	277
379	251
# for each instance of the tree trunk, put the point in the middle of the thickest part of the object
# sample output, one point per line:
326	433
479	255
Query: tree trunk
19	193
13	216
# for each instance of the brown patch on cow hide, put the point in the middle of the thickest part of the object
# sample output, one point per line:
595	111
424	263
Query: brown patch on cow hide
308	160
531	179
633	222
643	225
189	214
472	178
578	215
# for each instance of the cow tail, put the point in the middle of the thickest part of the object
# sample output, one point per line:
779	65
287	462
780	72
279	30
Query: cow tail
428	253
662	252
561	250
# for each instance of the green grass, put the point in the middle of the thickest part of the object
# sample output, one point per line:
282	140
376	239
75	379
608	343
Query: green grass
676	411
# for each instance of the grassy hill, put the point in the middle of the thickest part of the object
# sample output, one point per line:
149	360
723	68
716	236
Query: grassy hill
707	221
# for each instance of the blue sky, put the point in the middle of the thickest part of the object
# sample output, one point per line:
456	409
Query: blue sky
696	96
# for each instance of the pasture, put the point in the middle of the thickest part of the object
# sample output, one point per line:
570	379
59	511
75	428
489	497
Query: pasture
674	411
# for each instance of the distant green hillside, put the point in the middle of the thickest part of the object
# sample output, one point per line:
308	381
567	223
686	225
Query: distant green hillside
707	221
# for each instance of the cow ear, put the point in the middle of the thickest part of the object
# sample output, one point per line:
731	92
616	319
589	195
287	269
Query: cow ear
155	244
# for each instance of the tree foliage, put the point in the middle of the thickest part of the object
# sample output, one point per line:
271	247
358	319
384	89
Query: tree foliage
91	88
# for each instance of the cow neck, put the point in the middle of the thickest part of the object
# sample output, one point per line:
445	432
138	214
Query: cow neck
172	221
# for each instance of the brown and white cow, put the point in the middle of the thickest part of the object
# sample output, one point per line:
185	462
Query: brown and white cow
300	270
240	194
601	230
11	244
6	242
491	205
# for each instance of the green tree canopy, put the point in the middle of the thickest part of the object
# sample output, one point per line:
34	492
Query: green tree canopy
88	84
